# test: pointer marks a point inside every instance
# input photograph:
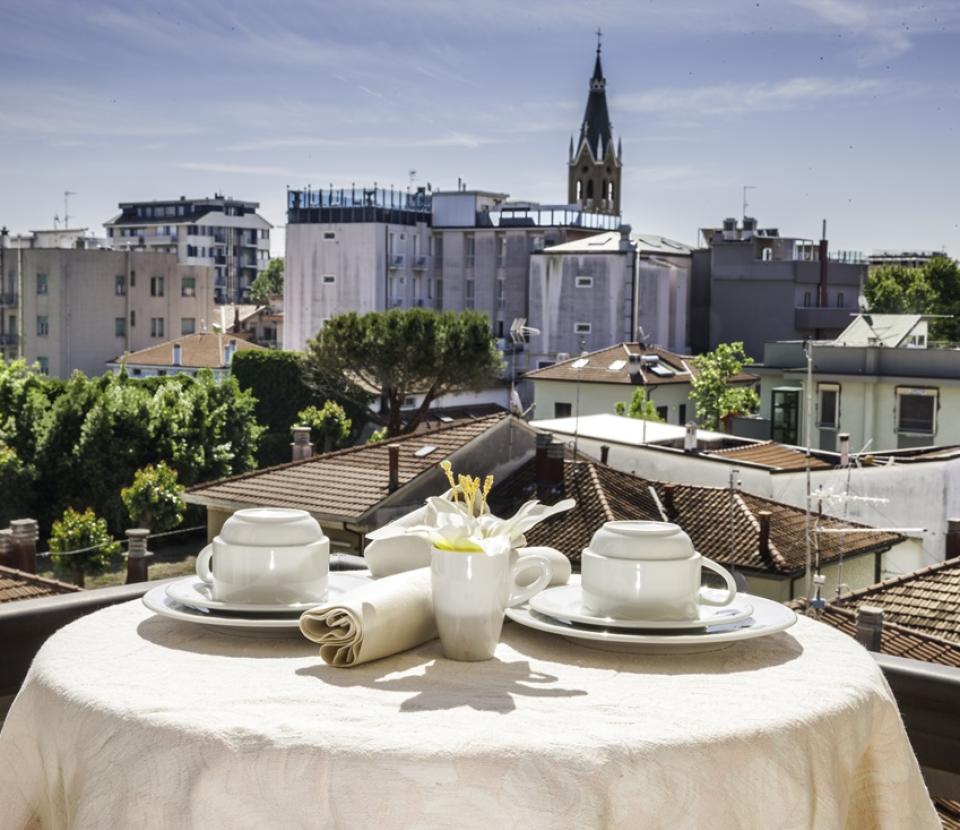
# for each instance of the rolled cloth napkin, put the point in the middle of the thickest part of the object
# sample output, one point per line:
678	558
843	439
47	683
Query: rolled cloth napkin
391	551
385	617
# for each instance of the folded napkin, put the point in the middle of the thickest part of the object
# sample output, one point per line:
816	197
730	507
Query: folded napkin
389	550
385	617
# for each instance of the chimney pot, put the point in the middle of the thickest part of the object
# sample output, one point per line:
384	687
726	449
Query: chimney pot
25	533
301	448
690	437
763	516
604	453
844	438
870	627
394	453
8	551
137	554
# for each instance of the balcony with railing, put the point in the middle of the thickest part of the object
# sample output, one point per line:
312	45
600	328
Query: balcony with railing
396	261
8	298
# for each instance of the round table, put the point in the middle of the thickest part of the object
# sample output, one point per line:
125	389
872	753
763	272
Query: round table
128	720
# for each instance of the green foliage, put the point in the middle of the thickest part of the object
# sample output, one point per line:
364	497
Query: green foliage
377	436
944	277
711	390
269	283
896	289
78	531
80	441
402	353
641	407
15	481
329	425
154	500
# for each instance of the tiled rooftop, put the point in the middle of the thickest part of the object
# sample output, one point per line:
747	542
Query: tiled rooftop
707	514
949	812
197	351
15	584
345	484
612	365
773	455
927	600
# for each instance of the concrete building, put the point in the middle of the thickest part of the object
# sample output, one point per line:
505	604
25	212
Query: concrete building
754	285
907	258
73	309
372	249
185	355
226	234
594	383
608	288
55	238
876	382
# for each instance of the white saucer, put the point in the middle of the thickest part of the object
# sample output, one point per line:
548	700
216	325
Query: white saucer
769	618
565	603
194	592
160	602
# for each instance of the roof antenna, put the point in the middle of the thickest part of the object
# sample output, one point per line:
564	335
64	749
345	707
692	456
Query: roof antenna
599	35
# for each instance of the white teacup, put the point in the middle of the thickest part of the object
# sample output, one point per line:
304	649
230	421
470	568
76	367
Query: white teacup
471	591
266	556
646	571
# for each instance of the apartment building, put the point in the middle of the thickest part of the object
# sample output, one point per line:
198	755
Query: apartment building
74	309
226	234
752	284
372	249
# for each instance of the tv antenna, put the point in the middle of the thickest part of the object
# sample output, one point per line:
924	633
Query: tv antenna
747	187
66	207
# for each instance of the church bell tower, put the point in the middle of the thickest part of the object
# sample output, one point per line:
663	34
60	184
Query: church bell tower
594	165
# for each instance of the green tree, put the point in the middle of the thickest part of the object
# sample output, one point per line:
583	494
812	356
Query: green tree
269	283
329	425
402	353
154	499
640	407
712	390
85	532
943	275
16	484
896	289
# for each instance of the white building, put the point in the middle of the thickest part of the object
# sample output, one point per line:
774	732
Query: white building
226	234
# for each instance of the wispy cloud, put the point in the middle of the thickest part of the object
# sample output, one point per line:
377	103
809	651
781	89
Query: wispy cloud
448	139
240	169
735	98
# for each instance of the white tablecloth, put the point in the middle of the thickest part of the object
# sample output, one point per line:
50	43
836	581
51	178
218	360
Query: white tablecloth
128	720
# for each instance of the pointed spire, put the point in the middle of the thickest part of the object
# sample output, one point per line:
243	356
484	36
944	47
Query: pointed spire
619	150
596	128
571	147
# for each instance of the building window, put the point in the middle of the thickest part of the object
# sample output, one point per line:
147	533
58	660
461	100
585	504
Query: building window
329	279
133	279
829	406
133	318
468	290
156	326
137	372
584	282
439	290
43	364
562	410
682	416
43	327
581	328
536	244
41	283
839	299
188	325
662	413
469	251
188	287
120	285
806	299
329	235
501	250
917	411
499	328
156	286
120	327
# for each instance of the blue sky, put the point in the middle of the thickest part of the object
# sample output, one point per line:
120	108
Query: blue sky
835	109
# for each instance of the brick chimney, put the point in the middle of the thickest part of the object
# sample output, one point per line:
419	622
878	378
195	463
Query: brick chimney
7	549
25	533
763	516
604	454
137	555
301	447
870	627
394	481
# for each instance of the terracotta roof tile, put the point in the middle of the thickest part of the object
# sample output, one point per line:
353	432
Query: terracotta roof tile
16	585
707	514
345	484
197	351
927	600
949	812
776	456
611	365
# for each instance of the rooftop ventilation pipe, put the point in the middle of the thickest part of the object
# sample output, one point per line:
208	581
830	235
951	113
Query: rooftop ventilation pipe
869	627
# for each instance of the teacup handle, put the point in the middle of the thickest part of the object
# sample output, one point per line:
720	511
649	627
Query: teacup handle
727	577
521	594
203	565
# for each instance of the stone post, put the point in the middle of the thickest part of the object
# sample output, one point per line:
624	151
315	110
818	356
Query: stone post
25	533
137	555
870	627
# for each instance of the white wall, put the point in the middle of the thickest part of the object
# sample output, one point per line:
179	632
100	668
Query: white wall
602	398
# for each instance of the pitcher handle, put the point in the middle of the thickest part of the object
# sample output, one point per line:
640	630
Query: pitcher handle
520	594
203	565
727	577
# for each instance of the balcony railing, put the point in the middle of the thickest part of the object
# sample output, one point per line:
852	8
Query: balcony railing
8	340
421	263
8	298
396	260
